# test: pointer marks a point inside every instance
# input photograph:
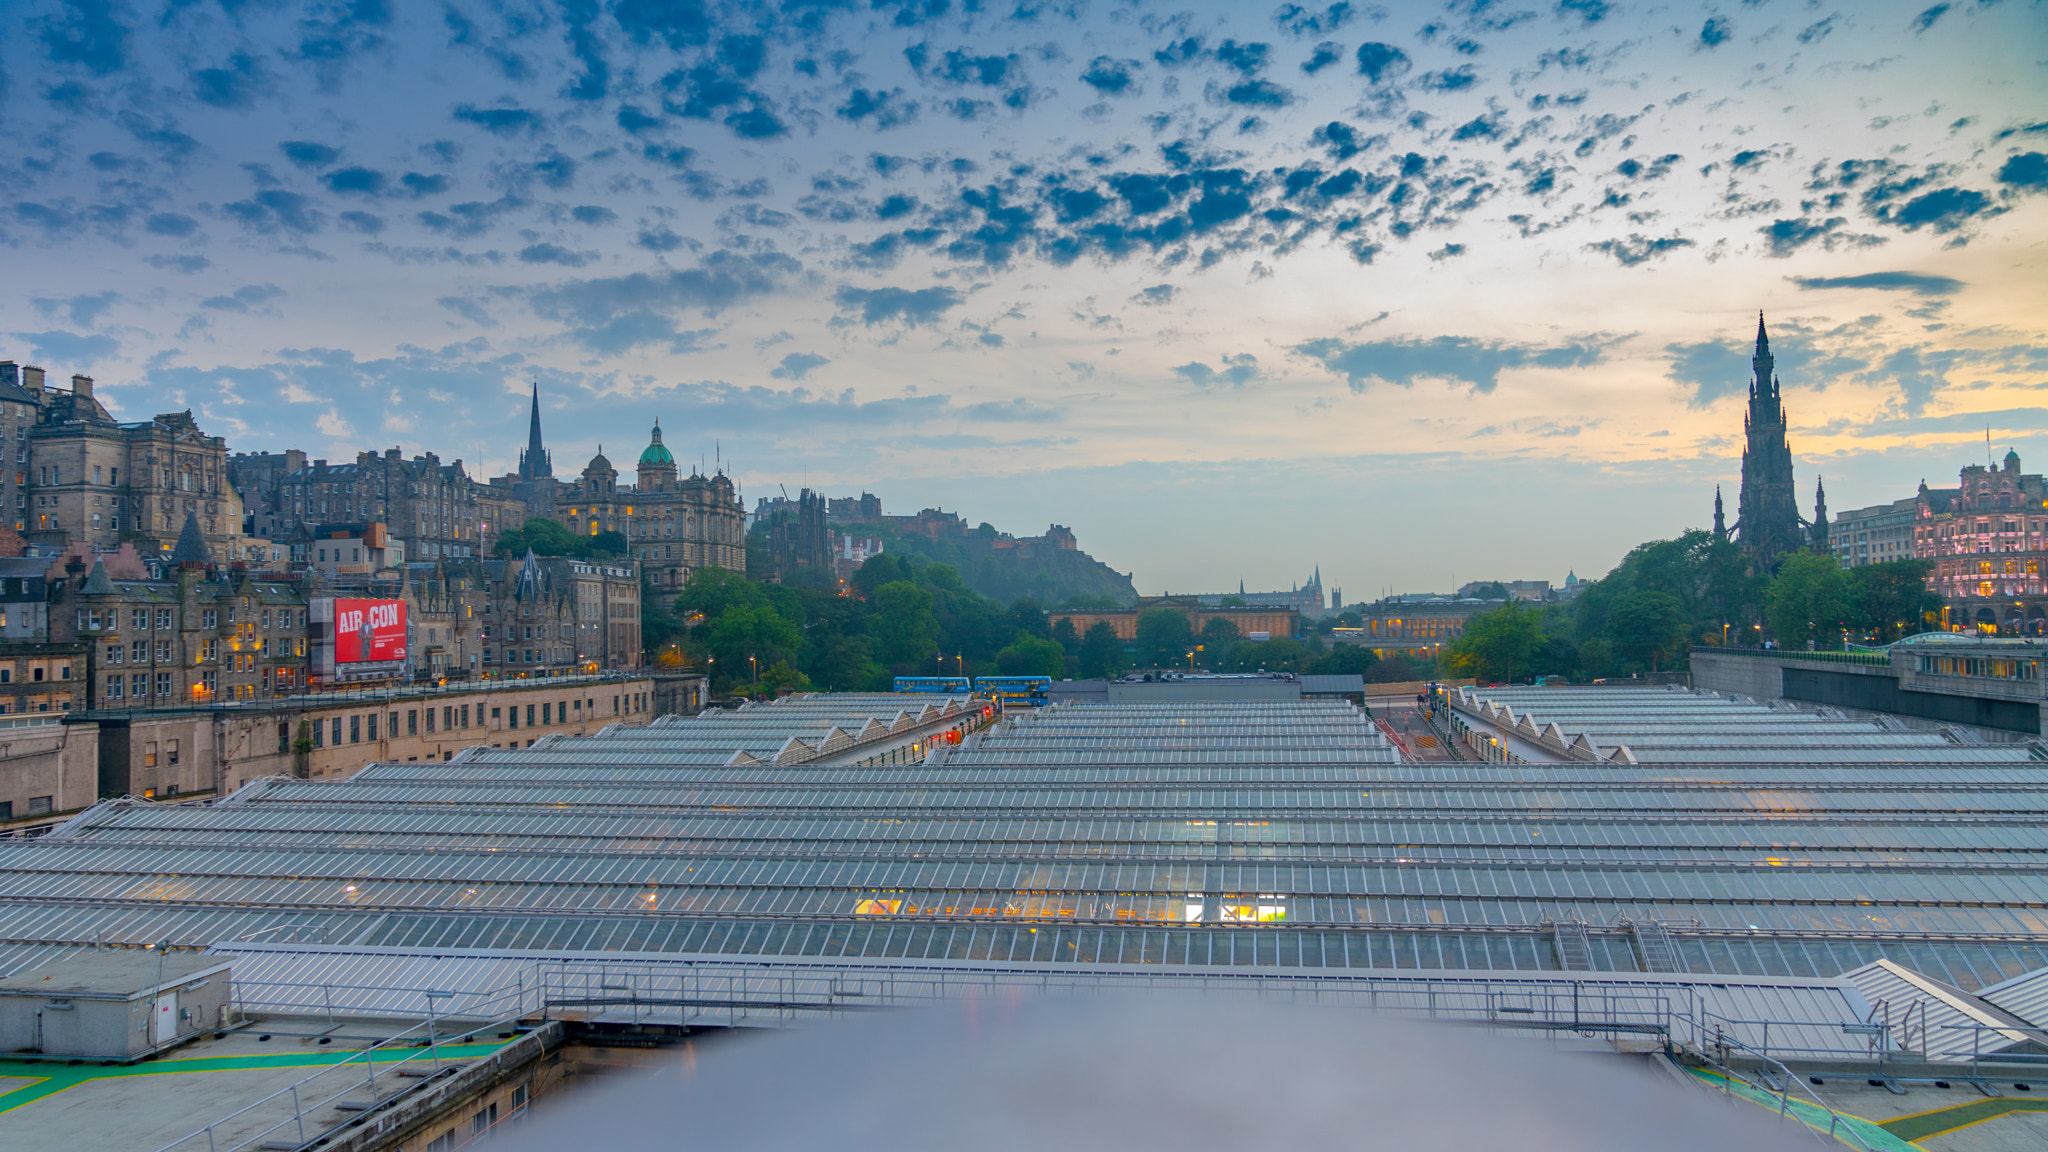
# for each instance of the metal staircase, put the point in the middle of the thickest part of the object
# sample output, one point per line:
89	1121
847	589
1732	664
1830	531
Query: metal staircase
1654	947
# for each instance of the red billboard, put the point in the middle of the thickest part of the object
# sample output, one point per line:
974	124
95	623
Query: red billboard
369	631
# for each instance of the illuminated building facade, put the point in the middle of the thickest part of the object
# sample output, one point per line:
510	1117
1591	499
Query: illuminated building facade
1987	539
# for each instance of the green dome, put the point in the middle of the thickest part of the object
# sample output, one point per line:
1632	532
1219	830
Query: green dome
657	456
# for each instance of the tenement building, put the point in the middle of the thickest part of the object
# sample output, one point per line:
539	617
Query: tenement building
675	524
434	509
1987	539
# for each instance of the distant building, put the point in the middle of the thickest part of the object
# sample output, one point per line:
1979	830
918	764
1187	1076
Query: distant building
1876	534
797	536
865	509
431	509
1419	628
850	552
1988	538
1306	599
674	524
1252	623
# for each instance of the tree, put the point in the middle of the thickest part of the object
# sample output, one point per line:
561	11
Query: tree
1394	669
1890	601
1102	651
1032	656
1344	660
903	625
1065	635
1232	601
1647	626
1164	638
1497	645
1807	602
1490	590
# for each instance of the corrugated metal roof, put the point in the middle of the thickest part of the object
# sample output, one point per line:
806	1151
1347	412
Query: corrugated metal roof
2025	996
1931	1018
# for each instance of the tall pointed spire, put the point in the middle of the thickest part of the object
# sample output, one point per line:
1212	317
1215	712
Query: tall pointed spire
1767	520
534	463
1820	515
1720	521
1762	360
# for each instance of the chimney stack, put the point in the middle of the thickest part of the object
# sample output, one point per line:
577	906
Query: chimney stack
32	379
82	386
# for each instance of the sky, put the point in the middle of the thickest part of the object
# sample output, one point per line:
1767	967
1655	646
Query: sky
1414	293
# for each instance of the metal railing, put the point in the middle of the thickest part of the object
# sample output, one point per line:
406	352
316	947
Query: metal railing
1872	659
355	1071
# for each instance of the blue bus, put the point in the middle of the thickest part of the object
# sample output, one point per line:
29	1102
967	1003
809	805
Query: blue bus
942	685
1016	691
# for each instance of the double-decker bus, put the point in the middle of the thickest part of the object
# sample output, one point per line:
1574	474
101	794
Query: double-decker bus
1016	691
941	685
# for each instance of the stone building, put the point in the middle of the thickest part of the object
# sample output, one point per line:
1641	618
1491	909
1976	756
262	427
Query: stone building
1767	520
545	616
93	480
1988	538
675	524
1254	623
433	509
1306	599
198	636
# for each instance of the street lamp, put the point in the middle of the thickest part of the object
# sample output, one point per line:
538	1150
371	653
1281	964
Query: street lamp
755	665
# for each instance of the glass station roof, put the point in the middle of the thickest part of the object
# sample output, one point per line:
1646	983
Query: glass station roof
1185	833
1667	725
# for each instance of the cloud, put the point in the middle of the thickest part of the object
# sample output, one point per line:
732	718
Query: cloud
1944	209
356	181
721	281
70	348
1111	76
84	311
888	109
2028	170
1236	371
1381	62
1925	20
1638	249
1326	54
1479	363
246	299
912	306
234	86
309	154
276	210
1886	281
1017	411
798	365
500	121
1156	294
86	33
171	224
185	264
592	214
1715	32
555	254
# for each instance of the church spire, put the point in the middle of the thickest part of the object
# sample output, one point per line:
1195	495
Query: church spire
534	463
1720	520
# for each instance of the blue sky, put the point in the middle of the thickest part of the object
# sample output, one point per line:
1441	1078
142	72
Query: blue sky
1414	292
